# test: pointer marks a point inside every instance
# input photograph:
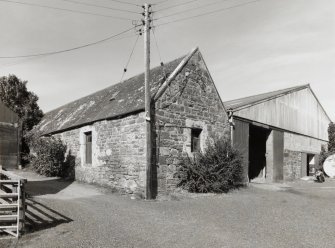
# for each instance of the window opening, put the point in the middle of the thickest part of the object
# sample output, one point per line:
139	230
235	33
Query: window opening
88	152
195	139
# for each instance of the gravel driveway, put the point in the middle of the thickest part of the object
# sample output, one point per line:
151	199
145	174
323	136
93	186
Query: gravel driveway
64	214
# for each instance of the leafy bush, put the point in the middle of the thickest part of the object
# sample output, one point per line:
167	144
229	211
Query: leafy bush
331	137
331	145
48	156
218	169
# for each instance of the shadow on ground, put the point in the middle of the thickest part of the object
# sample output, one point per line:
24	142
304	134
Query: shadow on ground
46	187
40	216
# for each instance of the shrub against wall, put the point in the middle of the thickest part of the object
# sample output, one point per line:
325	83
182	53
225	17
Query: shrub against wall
218	169
49	156
331	145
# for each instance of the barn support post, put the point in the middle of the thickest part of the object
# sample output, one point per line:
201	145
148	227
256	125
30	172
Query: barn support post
232	126
19	138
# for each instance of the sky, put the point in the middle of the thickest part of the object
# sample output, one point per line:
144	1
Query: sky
257	47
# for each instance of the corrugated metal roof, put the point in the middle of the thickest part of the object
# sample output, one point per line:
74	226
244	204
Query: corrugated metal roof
252	100
117	100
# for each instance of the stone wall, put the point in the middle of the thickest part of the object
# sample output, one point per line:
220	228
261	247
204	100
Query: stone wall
118	153
118	157
191	101
292	165
294	147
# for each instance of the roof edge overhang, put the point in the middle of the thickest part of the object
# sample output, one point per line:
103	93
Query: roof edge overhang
217	92
275	128
133	112
298	88
317	99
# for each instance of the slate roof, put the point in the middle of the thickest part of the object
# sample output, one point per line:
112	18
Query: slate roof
252	100
117	100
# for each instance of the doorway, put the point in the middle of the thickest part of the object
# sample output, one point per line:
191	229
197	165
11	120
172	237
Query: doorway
310	164
257	152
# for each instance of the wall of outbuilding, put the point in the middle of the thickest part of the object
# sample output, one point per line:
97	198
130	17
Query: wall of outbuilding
119	156
191	101
295	146
118	153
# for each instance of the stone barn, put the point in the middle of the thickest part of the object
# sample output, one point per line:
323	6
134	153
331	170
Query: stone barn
106	131
9	137
280	133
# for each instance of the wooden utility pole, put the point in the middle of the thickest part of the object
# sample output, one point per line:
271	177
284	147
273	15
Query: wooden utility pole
146	32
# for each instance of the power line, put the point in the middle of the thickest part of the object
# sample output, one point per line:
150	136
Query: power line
208	13
67	50
25	60
131	54
191	9
68	10
161	2
124	2
176	5
100	6
159	53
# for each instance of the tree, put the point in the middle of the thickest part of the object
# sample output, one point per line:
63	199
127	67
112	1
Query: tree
331	137
331	145
15	95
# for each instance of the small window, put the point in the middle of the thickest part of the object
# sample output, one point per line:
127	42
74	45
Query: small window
195	140
88	152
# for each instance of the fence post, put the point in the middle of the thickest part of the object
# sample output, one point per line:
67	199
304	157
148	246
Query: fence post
22	203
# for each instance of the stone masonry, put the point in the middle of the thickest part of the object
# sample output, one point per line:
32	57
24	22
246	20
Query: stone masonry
119	145
118	157
292	165
294	146
191	101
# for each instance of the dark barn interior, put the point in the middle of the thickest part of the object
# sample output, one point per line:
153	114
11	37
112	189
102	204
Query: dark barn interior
257	151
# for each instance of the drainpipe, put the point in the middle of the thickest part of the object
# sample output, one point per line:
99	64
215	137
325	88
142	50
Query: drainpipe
232	125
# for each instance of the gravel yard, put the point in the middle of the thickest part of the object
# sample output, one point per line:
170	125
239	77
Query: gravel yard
64	214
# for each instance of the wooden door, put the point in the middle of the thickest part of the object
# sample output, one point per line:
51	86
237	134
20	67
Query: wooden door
241	142
88	148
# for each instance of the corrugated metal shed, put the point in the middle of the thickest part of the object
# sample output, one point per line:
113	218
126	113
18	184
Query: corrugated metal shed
294	109
117	100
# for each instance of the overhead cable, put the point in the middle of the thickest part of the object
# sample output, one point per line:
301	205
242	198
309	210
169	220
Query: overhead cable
124	2
25	60
100	6
207	13
131	54
63	9
176	5
67	50
158	51
191	9
164	1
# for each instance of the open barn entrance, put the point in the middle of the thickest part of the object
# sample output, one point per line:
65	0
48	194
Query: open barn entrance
257	152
